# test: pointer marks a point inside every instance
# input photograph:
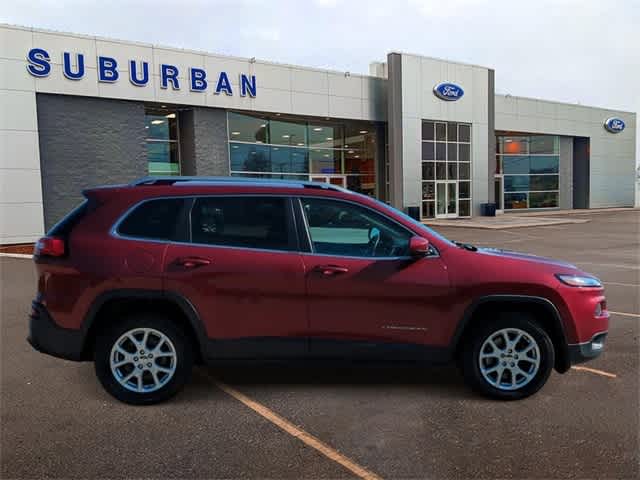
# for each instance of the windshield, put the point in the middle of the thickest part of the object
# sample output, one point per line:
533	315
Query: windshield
413	221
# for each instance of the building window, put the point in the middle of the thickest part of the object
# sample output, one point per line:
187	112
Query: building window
529	166
446	169
163	152
274	146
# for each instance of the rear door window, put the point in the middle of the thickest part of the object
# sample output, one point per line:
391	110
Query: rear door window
246	222
159	219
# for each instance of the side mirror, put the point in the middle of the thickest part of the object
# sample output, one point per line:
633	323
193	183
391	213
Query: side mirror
418	246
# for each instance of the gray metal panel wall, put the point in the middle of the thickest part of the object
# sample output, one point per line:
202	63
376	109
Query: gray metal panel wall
86	142
491	130
581	169
394	119
566	173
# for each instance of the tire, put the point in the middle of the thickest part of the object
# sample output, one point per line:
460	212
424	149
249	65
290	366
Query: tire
482	362
165	365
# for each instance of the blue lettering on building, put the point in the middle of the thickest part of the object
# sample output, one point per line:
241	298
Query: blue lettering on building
169	73
67	67
198	82
134	77
223	85
247	85
74	68
39	62
107	70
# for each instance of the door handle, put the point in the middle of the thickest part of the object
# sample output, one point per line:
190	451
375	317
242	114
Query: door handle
193	262
330	270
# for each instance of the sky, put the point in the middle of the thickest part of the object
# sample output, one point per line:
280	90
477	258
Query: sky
579	51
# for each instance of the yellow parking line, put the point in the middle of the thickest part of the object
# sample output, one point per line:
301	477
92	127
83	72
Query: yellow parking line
298	433
597	372
636	315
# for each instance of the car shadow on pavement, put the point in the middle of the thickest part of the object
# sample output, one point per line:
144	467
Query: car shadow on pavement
446	381
437	381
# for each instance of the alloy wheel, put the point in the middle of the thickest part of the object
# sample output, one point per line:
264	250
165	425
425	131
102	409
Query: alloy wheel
509	359
143	360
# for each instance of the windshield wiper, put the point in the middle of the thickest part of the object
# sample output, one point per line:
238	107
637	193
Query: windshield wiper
466	246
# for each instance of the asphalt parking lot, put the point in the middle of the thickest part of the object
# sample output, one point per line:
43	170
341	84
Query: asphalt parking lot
391	422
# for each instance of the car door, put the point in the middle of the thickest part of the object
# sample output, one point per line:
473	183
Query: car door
366	295
243	274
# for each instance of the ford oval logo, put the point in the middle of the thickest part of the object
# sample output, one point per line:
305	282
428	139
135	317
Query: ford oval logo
448	91
614	124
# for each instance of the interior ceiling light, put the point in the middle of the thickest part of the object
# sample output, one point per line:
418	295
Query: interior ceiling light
329	138
364	131
235	133
286	136
317	129
156	122
170	115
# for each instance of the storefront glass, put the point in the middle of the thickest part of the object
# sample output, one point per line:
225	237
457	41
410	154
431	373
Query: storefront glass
274	146
529	167
446	169
163	153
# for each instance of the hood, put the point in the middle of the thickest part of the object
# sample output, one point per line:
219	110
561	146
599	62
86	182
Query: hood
525	257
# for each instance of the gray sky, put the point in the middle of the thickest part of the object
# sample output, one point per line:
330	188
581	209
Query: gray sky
582	51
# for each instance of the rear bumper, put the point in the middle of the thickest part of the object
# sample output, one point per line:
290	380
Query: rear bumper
583	352
48	337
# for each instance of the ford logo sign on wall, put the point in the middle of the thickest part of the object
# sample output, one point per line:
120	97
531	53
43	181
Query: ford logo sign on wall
614	125
448	91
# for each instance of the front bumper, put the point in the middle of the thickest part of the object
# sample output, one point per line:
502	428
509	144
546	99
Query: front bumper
48	337
583	352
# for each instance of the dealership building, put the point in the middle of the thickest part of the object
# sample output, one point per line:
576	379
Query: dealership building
79	111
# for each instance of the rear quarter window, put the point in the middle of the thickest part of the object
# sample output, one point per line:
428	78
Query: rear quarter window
160	219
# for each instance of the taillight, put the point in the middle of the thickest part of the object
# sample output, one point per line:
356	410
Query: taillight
49	247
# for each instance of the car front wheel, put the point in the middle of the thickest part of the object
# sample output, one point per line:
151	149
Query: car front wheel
509	358
144	359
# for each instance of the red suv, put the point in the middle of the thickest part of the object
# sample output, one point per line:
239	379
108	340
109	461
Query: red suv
146	279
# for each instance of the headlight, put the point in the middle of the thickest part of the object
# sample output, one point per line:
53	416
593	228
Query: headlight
579	281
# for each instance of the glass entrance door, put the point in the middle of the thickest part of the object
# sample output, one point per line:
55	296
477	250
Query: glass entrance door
447	199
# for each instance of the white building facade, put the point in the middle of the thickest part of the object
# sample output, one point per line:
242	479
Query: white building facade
426	135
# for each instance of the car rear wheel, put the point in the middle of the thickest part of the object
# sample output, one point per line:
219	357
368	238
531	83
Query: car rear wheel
144	359
509	358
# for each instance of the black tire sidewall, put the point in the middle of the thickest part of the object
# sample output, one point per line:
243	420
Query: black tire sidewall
106	339
520	321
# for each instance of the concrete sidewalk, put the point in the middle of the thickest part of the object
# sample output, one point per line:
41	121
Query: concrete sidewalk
503	221
525	219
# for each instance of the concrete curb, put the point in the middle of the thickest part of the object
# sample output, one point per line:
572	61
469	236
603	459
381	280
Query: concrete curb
499	226
16	255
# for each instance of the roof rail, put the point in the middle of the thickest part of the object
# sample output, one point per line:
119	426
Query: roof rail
172	180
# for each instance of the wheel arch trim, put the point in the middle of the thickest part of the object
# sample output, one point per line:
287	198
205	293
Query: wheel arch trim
562	357
182	303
